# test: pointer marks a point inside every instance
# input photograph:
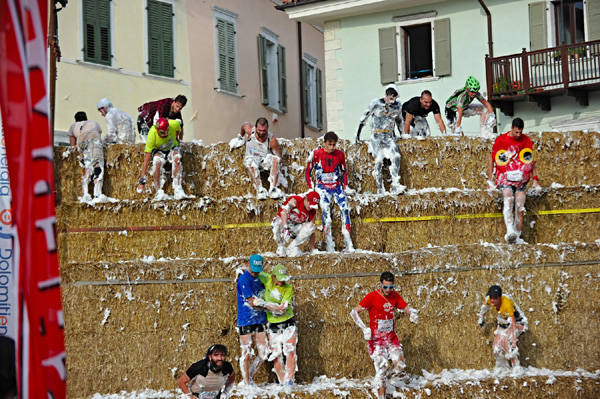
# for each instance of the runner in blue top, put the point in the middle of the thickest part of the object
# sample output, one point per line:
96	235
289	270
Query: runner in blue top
251	319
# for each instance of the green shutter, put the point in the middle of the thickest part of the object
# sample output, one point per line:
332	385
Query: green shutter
319	91
96	31
443	61
388	56
160	38
263	76
305	93
282	78
538	36
593	14
227	55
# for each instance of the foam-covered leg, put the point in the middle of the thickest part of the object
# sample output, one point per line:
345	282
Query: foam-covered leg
98	180
508	213
325	205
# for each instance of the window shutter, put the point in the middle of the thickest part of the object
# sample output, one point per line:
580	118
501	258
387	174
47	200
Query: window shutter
103	42
222	50
388	55
160	38
305	92
231	57
593	13
319	85
538	37
282	79
263	75
96	21
443	60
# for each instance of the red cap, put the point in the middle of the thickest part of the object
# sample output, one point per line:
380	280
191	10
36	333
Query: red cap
313	198
162	124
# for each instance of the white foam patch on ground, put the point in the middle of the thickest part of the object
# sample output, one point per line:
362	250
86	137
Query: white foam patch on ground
342	386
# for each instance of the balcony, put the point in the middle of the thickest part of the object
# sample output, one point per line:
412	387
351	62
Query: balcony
537	76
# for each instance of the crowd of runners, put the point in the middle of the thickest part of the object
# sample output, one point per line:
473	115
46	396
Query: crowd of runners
267	331
265	300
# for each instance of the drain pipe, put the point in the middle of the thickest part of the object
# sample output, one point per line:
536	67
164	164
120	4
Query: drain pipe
301	83
489	28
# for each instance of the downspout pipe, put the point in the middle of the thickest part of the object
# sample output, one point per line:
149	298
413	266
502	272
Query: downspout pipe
489	28
300	80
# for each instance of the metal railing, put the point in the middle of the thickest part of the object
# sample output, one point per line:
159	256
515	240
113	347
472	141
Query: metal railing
532	72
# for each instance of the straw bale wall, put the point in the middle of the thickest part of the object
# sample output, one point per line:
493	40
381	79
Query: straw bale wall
217	172
149	330
204	241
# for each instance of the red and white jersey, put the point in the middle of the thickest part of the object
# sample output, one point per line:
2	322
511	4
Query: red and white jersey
381	311
513	159
330	168
297	214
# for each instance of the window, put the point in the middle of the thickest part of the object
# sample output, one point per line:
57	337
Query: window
418	47
226	47
312	98
568	22
96	32
160	38
271	60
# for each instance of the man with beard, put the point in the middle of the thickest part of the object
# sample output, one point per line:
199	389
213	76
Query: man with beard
211	377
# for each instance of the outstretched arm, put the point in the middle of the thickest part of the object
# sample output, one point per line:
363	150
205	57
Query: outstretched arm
440	122
407	123
183	385
358	321
482	311
309	167
487	105
363	120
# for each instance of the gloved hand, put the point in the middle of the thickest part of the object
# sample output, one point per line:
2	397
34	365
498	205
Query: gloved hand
349	191
536	186
491	185
459	130
367	333
259	302
141	184
414	316
481	322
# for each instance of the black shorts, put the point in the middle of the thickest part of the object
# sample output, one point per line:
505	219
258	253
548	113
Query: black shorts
278	327
251	329
450	115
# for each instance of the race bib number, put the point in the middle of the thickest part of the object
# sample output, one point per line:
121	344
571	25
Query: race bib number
329	178
514	175
208	395
385	326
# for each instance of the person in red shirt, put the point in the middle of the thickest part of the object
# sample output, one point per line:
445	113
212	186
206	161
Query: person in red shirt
331	173
295	222
512	157
384	344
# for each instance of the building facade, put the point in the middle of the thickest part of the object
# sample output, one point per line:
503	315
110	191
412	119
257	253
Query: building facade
250	60
131	51
436	45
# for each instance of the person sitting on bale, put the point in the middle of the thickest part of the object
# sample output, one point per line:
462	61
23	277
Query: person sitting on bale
295	222
162	147
511	323
119	125
209	378
263	153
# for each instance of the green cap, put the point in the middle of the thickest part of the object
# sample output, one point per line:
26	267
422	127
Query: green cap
280	272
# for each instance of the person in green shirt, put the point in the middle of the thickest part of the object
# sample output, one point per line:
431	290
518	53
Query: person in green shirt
283	335
460	104
162	147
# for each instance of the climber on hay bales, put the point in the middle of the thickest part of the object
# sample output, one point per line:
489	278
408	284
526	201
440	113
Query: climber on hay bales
331	173
384	345
209	378
512	157
511	323
386	115
295	223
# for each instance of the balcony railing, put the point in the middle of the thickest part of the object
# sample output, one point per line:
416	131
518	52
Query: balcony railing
543	73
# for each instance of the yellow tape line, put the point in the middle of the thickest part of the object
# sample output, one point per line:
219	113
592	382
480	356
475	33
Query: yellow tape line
473	216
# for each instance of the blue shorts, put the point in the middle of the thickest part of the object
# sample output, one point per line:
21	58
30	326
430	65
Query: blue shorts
515	189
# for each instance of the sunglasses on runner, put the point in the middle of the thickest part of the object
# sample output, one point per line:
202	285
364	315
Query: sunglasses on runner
387	287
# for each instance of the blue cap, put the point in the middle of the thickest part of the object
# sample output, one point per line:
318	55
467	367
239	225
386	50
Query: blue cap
256	263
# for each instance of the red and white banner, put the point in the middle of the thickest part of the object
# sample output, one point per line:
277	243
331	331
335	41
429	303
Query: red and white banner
41	365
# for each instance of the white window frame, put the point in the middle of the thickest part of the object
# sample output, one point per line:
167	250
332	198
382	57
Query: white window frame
273	71
229	16
400	46
311	80
146	50
551	22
